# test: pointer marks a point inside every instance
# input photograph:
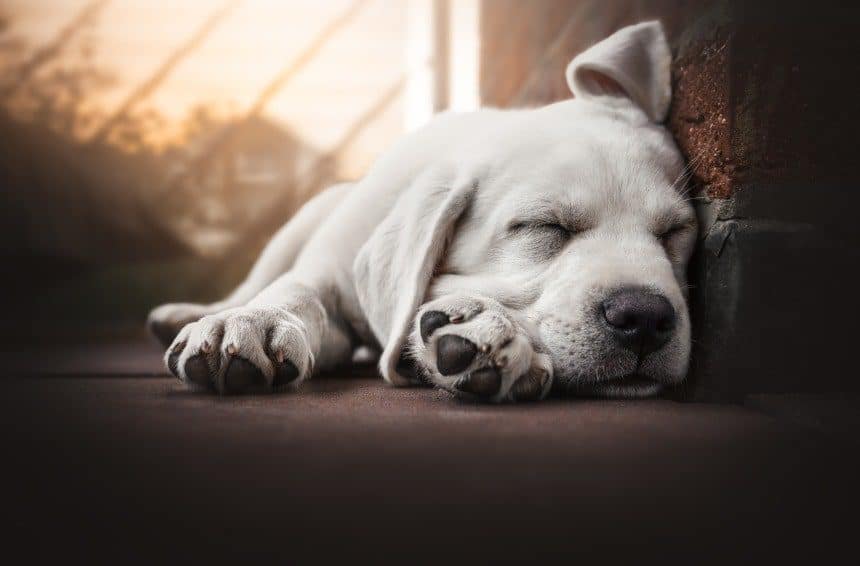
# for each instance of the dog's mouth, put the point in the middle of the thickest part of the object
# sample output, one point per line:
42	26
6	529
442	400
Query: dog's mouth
624	387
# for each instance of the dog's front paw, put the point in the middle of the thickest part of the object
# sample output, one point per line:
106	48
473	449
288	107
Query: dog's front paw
242	350
473	345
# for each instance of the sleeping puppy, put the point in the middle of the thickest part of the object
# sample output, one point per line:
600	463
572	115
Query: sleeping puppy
495	254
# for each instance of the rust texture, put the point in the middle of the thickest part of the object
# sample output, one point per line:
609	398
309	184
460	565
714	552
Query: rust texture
700	117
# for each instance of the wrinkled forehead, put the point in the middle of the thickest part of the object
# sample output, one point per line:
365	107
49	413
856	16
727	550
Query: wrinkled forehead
638	173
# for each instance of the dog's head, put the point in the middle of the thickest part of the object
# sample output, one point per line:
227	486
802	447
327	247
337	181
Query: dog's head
573	214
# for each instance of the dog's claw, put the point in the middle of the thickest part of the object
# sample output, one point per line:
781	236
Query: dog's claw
544	377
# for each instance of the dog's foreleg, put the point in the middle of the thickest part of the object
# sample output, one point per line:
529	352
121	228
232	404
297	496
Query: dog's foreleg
277	258
281	336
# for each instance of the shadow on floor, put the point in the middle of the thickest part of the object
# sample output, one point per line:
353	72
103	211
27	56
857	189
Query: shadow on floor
136	469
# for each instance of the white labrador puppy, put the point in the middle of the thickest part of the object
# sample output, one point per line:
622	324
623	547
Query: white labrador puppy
495	254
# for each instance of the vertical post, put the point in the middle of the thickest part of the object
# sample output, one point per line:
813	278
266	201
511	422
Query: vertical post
441	54
464	48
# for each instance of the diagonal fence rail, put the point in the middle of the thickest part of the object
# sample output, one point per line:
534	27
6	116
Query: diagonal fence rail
231	131
145	89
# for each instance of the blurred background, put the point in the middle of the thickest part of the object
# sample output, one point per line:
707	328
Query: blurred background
149	148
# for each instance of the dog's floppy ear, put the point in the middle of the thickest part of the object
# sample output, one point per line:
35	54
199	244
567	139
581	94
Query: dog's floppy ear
633	63
394	267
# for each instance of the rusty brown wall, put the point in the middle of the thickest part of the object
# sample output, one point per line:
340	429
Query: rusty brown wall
765	109
527	45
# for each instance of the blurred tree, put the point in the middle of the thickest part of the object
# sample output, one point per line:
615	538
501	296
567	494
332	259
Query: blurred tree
51	50
12	48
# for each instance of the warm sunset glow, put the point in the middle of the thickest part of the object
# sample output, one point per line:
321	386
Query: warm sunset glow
215	100
240	56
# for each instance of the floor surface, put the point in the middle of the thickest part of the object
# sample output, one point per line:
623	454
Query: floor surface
108	459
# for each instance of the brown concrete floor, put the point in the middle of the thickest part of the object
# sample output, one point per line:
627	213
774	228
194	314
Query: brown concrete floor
99	463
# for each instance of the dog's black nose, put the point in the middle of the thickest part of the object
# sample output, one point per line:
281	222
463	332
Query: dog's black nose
641	321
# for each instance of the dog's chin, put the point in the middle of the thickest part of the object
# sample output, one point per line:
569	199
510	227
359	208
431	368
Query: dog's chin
626	387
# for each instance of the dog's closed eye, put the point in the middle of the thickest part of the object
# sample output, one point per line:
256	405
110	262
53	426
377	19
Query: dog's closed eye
518	227
676	227
543	229
542	239
668	233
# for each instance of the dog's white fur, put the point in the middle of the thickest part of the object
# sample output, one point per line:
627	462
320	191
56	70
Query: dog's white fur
517	222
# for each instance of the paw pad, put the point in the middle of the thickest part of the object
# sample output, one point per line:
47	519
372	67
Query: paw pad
197	370
454	354
484	382
431	321
240	376
285	372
